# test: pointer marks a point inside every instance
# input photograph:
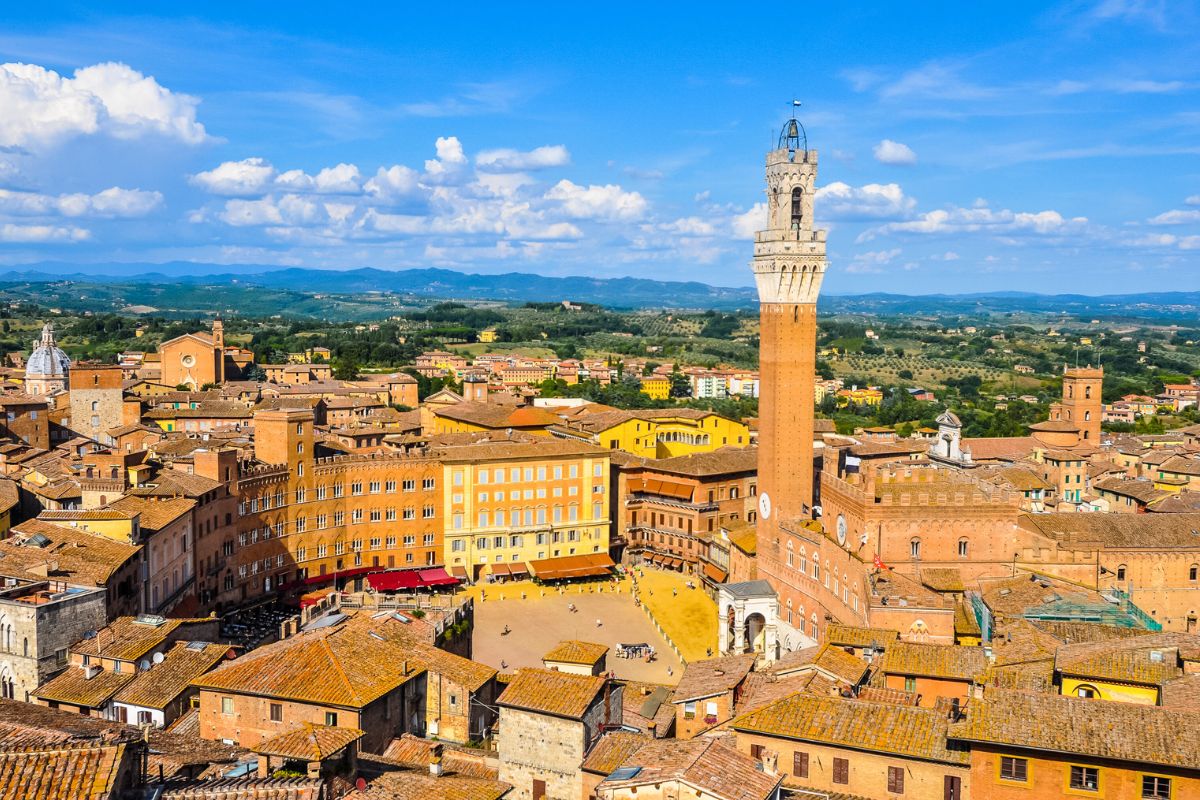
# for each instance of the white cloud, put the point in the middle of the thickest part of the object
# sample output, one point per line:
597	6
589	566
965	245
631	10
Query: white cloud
250	176
1153	240
1175	217
256	176
889	152
392	183
41	107
289	209
950	255
873	201
42	233
450	158
751	222
1189	243
608	202
955	220
872	261
688	226
508	160
113	202
1194	200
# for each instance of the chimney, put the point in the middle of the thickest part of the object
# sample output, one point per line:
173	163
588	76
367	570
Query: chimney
435	758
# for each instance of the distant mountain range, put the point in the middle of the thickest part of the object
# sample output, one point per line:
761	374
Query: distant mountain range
613	292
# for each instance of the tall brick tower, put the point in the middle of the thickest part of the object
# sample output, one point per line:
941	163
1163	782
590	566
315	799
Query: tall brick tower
1082	401
789	264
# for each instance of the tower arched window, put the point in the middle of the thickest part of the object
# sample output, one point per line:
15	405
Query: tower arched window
963	548
797	208
1087	415
1087	393
914	548
1121	572
1070	392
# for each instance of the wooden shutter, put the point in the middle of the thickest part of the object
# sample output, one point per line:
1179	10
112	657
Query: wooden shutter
539	789
895	780
952	788
800	765
841	770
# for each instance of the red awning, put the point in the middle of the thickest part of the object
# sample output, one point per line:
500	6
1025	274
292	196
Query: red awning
520	568
346	573
501	570
394	581
437	577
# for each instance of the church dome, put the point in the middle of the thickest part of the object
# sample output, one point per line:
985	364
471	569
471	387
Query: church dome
47	359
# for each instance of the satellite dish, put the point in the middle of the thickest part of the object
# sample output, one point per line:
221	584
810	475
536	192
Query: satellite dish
143	665
158	658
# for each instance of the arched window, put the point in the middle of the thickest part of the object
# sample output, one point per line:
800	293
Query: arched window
1121	572
1087	415
914	548
1087	393
797	207
1193	572
963	547
1070	391
1087	691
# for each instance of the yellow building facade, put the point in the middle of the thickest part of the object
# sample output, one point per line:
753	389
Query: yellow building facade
511	503
667	433
656	387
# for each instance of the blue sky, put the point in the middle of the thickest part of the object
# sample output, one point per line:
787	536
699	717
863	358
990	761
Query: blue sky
964	147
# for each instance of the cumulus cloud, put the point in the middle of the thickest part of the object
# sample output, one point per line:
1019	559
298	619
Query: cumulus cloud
747	224
113	202
959	220
450	159
508	160
289	209
392	183
872	261
249	176
889	152
608	202
1175	217
256	176
42	233
1194	200
42	107
841	201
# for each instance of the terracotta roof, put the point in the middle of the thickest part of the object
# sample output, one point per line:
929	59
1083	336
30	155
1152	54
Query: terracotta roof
882	694
74	687
611	750
713	676
1000	448
220	788
933	660
548	692
878	727
1151	660
1149	531
1055	426
1182	694
491	415
78	772
837	662
1141	490
131	638
72	554
155	514
162	683
415	752
577	652
744	538
171	482
722	461
215	409
947	579
1072	725
310	742
703	765
420	785
343	666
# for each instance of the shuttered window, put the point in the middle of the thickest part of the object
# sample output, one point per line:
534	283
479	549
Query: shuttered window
896	780
841	770
800	765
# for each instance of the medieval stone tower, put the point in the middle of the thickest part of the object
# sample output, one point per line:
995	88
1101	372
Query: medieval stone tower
789	264
1082	401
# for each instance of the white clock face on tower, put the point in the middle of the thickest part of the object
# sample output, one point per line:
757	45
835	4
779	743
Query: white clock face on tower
764	505
841	530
